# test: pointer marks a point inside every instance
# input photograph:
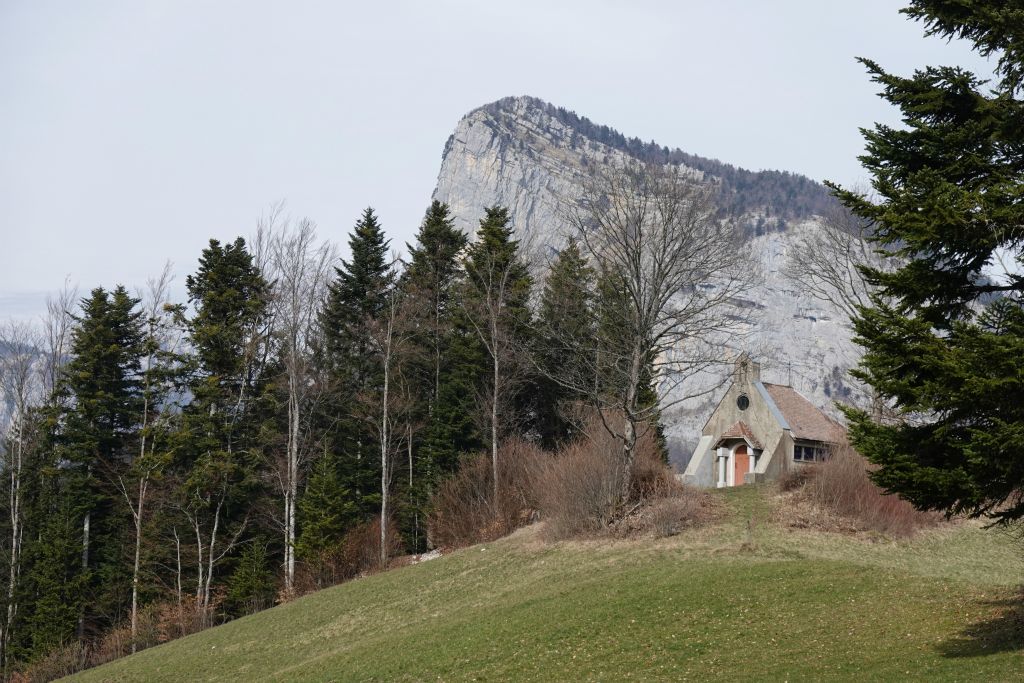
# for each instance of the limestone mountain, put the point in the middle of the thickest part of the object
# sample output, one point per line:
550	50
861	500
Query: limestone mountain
534	158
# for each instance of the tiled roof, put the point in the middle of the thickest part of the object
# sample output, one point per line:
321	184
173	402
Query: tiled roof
805	420
740	430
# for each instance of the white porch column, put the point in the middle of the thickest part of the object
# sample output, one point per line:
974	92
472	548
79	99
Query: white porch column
721	461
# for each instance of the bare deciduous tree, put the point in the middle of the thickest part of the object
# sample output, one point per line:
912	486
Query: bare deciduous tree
673	268
388	407
826	261
161	342
57	325
298	266
21	390
495	304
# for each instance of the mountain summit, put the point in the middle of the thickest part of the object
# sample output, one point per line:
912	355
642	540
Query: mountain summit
531	156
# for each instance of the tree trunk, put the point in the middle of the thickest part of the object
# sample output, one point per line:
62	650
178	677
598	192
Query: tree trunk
200	567
85	568
137	513
494	427
136	565
177	575
15	557
199	563
385	435
210	556
629	426
291	479
177	581
628	453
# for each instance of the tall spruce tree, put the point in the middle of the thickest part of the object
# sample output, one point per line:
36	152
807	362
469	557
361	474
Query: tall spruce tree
496	306
430	280
95	440
357	296
944	337
443	416
566	332
217	449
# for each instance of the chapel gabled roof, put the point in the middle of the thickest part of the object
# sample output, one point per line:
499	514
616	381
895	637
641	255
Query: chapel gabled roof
741	430
805	420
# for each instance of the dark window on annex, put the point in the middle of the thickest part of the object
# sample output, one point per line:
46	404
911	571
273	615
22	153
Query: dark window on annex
808	453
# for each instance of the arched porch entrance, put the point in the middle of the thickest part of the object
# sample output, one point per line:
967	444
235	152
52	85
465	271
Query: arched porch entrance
735	460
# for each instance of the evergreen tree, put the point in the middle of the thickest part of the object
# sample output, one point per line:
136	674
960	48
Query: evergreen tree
499	281
944	337
430	281
217	449
443	415
251	587
102	378
75	566
567	326
496	308
357	296
326	510
104	399
54	591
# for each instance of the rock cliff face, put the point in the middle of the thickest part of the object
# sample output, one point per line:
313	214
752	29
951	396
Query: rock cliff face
533	158
515	154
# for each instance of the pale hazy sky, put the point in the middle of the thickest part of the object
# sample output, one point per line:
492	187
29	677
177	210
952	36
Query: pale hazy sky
131	132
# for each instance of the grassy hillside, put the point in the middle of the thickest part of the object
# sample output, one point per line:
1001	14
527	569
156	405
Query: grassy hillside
737	601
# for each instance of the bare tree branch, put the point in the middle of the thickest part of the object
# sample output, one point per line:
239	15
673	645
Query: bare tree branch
669	270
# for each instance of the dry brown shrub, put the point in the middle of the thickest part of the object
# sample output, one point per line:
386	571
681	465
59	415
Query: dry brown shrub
580	493
580	496
327	568
841	485
522	465
357	554
176	620
575	491
157	623
796	477
463	510
361	547
63	661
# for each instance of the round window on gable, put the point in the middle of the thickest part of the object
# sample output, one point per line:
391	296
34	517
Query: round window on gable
743	402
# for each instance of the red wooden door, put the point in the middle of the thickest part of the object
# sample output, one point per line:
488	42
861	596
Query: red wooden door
740	464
